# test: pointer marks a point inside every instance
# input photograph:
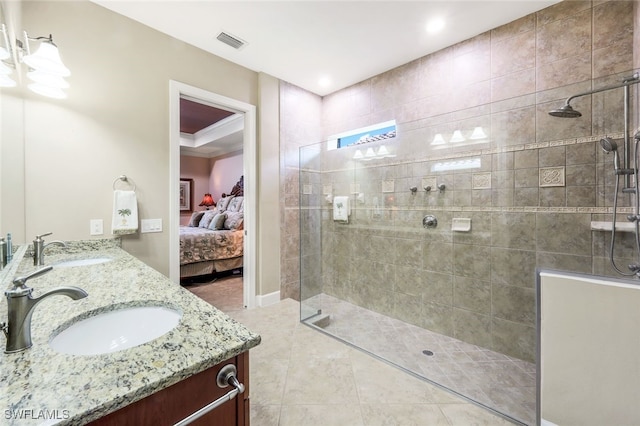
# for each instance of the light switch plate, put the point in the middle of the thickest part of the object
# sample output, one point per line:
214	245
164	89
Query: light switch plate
96	227
151	225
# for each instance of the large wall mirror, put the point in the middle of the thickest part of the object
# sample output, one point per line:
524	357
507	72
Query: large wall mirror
12	166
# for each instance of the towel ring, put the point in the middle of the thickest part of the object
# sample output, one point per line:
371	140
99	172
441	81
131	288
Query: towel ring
124	179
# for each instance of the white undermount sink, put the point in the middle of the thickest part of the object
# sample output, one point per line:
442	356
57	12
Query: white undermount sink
116	330
82	262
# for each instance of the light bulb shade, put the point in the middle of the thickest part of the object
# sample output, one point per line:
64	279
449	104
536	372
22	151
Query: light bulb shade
438	140
383	151
47	59
358	155
48	91
5	70
457	137
47	79
370	154
207	201
478	133
5	81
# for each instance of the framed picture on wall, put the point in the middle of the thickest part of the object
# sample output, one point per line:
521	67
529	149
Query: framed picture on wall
186	195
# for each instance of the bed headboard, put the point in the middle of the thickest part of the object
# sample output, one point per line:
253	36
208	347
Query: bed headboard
237	190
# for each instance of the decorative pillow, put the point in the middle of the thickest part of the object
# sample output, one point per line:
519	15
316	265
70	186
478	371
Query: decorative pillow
217	223
234	221
206	218
236	204
195	219
223	203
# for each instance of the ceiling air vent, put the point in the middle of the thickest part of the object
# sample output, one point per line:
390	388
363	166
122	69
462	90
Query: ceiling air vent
230	40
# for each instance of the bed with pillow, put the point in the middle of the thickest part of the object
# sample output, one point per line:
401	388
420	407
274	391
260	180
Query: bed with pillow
213	240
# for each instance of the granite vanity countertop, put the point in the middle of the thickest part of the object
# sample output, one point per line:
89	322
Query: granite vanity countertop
41	386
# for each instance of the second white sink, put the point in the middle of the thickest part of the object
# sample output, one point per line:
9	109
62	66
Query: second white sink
116	330
82	262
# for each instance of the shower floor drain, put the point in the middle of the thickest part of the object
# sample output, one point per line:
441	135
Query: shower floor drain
427	353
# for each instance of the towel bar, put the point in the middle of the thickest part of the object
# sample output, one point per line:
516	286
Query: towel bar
226	377
124	179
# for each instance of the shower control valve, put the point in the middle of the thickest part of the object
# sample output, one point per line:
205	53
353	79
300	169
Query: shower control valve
429	221
633	217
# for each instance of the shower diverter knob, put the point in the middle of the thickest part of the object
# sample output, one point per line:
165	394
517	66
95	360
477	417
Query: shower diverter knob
429	221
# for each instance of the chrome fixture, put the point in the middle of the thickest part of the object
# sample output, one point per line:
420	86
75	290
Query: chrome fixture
20	304
427	189
45	67
567	111
39	246
413	189
609	145
441	187
226	377
429	221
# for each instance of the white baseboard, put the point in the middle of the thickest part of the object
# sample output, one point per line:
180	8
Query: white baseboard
268	299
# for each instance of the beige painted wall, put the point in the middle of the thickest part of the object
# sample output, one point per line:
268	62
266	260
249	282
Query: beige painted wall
268	155
198	169
226	170
115	121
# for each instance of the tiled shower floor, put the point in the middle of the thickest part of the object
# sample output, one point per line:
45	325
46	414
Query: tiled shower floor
505	384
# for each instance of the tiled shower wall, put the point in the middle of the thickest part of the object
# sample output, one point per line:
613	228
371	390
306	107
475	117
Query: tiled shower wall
542	180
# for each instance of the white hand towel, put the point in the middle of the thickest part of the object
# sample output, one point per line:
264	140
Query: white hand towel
341	209
125	213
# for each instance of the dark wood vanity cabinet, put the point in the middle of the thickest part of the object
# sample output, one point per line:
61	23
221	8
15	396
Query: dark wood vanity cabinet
172	404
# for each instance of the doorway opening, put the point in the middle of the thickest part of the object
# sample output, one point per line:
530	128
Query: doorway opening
236	135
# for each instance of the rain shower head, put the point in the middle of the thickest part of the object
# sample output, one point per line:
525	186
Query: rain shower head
565	111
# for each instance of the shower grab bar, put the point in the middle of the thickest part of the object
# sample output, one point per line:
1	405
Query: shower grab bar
226	377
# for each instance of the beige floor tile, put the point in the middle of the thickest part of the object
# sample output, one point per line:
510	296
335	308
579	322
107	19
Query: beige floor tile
265	415
320	415
320	381
403	414
302	377
471	415
380	383
267	380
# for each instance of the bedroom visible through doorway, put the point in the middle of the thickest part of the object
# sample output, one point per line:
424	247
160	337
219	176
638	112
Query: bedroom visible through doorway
209	137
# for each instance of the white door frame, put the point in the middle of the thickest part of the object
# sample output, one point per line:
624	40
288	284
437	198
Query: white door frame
176	89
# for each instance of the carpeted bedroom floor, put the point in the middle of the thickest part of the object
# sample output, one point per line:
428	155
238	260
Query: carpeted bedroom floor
223	291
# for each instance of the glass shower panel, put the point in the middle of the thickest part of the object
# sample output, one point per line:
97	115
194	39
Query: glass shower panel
411	295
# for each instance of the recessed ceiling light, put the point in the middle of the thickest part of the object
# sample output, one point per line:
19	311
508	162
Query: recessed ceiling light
324	81
435	25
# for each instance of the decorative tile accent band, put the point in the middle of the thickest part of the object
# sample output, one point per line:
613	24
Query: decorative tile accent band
551	176
533	209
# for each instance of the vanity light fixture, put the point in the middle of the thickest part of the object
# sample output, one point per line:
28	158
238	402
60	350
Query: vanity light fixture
46	69
457	137
358	155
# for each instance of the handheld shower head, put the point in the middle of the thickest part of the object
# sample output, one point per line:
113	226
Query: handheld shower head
565	111
609	145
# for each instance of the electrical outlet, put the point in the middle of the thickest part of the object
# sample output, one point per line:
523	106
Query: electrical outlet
150	225
96	227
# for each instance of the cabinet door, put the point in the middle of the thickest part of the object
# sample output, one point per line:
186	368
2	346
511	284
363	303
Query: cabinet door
172	404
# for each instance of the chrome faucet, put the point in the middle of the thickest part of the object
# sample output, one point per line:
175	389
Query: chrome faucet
39	246
21	303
